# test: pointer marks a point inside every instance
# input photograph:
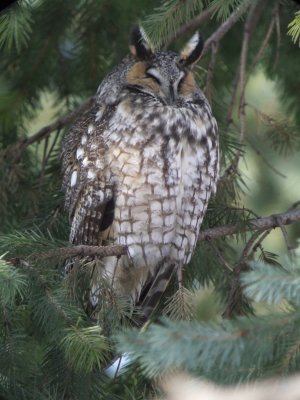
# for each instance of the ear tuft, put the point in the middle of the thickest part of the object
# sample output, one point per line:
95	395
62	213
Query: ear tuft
192	51
140	46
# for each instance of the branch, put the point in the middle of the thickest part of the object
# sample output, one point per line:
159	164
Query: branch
220	256
237	304
266	40
264	159
262	224
57	125
258	224
82	251
205	15
250	24
286	238
191	25
210	71
226	26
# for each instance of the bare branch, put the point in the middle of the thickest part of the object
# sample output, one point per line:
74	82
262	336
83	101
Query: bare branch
258	224
233	97
278	33
260	240
247	250
265	42
220	256
236	299
191	25
262	224
210	71
250	24
226	26
286	238
60	123
264	159
83	251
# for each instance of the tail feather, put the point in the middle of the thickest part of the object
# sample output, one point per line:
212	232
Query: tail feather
158	286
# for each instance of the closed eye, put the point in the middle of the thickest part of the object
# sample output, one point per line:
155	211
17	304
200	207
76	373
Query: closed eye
153	74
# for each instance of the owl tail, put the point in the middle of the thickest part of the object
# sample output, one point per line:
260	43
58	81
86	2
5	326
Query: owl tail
156	288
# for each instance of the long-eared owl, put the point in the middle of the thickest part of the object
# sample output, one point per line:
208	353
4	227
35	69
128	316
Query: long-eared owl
140	167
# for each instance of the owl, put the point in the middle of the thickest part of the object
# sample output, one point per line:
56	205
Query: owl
139	169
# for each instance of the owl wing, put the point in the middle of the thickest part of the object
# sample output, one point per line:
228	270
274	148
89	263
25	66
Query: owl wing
88	190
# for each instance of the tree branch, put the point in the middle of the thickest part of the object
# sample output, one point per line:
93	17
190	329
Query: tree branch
191	25
226	26
237	304
265	42
82	251
250	24
262	224
258	224
210	71
57	125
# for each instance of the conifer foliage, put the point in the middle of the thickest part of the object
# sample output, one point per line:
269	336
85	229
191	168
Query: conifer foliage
54	55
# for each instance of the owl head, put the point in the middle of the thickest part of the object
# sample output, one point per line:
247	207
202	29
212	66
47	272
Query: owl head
165	74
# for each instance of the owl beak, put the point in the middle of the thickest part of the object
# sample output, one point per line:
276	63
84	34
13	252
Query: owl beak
171	96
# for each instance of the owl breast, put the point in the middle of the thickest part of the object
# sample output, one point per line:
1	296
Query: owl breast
162	162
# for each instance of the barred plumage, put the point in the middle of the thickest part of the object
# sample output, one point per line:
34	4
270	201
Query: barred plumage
140	168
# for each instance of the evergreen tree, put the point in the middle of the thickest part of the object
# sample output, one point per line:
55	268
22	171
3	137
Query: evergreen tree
49	347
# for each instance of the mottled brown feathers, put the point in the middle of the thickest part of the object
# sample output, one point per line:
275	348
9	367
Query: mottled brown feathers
139	170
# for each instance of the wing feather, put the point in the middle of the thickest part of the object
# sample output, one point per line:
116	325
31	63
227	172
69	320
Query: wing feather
88	191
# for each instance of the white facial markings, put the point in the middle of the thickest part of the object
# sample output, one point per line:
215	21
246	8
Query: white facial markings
154	73
83	139
176	83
